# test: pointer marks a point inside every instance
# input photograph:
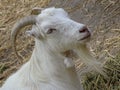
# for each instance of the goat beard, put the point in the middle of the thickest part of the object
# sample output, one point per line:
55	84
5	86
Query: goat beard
82	52
85	56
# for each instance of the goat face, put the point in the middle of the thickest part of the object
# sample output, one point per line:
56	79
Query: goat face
54	27
59	30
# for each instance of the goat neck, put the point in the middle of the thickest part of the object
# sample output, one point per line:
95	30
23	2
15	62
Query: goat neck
50	65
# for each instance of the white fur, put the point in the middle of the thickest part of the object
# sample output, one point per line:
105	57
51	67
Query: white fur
46	69
69	62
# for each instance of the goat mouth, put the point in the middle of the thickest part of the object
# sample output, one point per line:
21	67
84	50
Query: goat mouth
86	37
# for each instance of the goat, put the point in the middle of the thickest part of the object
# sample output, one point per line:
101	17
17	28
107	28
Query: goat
48	68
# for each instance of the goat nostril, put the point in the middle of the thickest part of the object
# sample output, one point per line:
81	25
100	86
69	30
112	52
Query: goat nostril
83	30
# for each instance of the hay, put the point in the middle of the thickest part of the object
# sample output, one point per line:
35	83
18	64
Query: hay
95	81
102	16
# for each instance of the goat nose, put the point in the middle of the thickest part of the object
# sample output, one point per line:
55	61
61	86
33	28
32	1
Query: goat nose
83	30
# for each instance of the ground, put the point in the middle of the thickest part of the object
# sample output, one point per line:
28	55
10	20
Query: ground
101	16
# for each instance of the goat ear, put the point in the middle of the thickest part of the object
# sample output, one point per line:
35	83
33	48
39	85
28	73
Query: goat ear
36	11
34	34
30	33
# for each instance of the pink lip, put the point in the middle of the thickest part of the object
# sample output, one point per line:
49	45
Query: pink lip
87	36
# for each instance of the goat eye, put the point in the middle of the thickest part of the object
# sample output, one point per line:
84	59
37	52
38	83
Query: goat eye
50	31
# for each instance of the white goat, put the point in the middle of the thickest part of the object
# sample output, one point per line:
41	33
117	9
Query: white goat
48	68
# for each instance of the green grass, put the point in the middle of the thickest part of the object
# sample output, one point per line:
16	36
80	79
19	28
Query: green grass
3	67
